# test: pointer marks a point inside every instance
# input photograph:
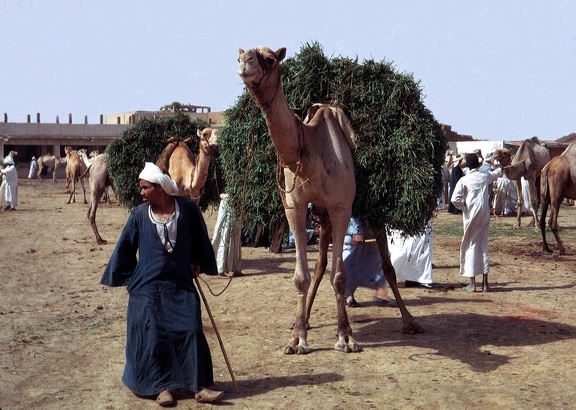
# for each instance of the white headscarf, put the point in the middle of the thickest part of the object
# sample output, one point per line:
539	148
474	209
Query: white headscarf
152	173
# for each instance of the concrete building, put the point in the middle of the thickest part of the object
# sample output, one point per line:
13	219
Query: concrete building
35	138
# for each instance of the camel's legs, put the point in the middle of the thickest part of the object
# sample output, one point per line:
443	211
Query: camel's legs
340	222
534	201
553	222
519	204
321	262
96	194
296	216
410	325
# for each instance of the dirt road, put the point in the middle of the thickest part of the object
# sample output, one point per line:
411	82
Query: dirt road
62	334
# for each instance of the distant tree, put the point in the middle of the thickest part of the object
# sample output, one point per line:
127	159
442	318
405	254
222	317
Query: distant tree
144	142
175	107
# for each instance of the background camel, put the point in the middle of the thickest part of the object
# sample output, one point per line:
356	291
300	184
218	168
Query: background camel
99	180
318	168
558	181
528	163
189	171
76	167
51	161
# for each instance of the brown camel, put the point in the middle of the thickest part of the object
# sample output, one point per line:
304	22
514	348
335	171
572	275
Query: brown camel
76	166
557	181
528	163
316	158
189	171
100	180
53	161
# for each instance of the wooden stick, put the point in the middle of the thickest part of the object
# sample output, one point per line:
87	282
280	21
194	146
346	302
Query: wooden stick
217	334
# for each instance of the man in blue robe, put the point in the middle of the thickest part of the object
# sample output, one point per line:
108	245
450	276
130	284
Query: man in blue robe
166	349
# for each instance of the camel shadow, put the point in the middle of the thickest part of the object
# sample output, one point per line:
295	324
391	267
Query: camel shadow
470	337
268	266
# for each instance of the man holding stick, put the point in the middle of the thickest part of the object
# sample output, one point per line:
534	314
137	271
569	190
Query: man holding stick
166	349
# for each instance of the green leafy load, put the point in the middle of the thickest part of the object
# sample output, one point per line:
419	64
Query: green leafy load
144	142
400	145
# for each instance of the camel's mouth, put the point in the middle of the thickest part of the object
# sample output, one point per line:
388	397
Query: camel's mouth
249	67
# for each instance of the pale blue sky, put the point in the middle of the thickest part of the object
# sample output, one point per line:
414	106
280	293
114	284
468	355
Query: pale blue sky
494	69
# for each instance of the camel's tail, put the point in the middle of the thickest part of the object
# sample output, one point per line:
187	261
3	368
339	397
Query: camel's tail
86	172
544	190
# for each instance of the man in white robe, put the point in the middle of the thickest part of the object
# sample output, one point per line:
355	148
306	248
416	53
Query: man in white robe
412	257
226	241
33	168
10	183
471	196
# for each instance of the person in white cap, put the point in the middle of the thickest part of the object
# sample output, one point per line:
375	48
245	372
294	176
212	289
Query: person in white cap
10	183
162	248
33	168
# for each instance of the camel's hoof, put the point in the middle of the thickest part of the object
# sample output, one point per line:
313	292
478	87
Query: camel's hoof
412	329
351	347
101	242
303	350
289	350
548	250
299	350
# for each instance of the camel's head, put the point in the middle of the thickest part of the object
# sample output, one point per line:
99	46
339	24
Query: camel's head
448	158
256	63
13	154
502	155
208	139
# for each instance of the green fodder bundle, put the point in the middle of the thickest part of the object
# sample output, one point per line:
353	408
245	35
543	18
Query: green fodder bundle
400	145
144	142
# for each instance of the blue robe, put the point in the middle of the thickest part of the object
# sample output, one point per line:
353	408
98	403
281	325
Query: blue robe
165	344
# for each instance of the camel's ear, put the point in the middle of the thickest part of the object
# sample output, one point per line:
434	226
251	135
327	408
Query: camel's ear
280	53
240	51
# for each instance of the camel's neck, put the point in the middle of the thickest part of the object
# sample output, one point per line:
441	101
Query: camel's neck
284	126
85	159
201	170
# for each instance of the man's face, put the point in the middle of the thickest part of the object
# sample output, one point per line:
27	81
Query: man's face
149	192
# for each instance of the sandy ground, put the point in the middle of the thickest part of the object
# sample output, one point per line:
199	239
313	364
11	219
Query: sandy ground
62	334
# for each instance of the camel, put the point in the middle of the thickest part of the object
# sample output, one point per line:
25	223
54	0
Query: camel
99	180
528	163
76	166
49	160
316	158
557	181
189	171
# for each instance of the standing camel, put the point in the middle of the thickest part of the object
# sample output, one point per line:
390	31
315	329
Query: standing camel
318	168
528	163
76	166
189	171
557	181
53	161
100	180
